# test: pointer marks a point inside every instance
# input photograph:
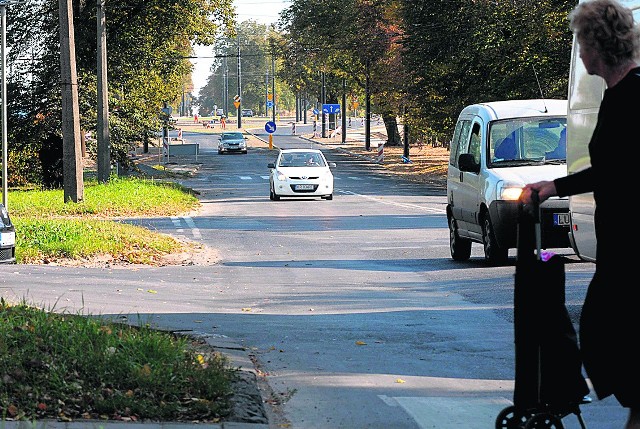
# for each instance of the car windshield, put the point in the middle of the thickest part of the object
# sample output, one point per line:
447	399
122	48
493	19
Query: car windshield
232	136
301	159
530	139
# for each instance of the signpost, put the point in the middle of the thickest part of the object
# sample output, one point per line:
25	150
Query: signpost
331	108
167	110
270	127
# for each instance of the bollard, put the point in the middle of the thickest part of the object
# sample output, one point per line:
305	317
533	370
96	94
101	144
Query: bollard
380	158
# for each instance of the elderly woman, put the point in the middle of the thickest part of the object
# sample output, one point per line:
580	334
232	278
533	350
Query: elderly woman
609	42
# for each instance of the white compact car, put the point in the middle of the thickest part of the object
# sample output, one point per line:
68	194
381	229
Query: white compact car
301	173
496	149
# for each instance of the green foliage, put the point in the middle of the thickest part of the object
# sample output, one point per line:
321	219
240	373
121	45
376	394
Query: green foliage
69	366
49	229
460	53
256	72
148	45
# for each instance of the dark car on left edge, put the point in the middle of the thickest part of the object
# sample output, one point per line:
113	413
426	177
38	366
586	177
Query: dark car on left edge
7	238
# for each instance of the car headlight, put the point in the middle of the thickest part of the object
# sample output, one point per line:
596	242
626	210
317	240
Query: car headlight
281	176
509	191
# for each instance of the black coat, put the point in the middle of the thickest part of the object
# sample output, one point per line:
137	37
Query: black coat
608	325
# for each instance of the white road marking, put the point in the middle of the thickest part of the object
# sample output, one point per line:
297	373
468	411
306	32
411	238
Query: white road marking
397	204
450	412
195	231
177	223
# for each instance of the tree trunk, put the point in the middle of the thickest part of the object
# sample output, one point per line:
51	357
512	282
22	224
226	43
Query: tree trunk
391	124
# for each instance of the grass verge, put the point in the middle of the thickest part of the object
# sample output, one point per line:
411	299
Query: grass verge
48	229
71	367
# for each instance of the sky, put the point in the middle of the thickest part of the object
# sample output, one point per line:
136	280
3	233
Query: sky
261	11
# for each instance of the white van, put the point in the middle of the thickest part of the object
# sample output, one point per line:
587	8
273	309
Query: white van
497	148
585	95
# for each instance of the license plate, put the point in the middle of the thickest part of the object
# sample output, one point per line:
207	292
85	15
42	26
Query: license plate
7	238
304	187
561	219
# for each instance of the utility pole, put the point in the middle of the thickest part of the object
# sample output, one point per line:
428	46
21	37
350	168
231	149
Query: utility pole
344	110
72	162
323	100
405	132
225	96
273	87
239	86
3	11
102	126
266	93
367	113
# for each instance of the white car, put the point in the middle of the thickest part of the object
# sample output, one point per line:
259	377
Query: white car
496	149
301	173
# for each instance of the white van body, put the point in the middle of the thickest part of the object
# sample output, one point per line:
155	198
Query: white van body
485	175
585	95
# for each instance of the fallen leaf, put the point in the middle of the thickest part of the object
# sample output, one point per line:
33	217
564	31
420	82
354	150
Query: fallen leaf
152	291
360	343
246	309
399	380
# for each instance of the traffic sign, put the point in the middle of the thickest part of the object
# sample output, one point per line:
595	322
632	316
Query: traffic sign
331	108
236	103
269	97
237	99
270	127
315	111
269	104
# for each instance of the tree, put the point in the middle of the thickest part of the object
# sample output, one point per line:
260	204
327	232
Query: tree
462	52
147	61
256	73
355	40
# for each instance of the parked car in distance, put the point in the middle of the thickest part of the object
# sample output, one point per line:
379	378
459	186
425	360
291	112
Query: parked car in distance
496	149
7	238
301	173
232	142
247	112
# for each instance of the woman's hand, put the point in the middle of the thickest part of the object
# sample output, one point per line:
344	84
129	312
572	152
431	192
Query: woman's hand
545	189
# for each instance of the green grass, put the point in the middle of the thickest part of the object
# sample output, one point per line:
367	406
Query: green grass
48	229
72	367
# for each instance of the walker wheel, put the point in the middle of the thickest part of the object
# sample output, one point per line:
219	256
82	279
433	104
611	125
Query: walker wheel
544	421
511	418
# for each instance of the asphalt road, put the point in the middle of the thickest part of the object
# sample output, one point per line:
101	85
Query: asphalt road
353	309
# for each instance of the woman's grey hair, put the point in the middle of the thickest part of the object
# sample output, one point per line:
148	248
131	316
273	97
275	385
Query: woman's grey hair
608	27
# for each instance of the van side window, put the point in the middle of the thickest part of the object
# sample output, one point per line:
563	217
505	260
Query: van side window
474	142
460	141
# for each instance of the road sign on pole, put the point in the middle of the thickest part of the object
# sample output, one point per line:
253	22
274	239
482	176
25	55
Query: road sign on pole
331	108
270	127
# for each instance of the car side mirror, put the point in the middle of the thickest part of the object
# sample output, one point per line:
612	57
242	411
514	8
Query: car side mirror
467	162
271	165
332	165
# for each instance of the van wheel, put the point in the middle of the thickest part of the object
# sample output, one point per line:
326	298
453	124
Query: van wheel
493	253
460	248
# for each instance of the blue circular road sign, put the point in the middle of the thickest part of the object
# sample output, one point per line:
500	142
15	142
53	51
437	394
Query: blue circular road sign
270	127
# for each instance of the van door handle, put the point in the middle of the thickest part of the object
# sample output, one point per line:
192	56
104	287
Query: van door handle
461	176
